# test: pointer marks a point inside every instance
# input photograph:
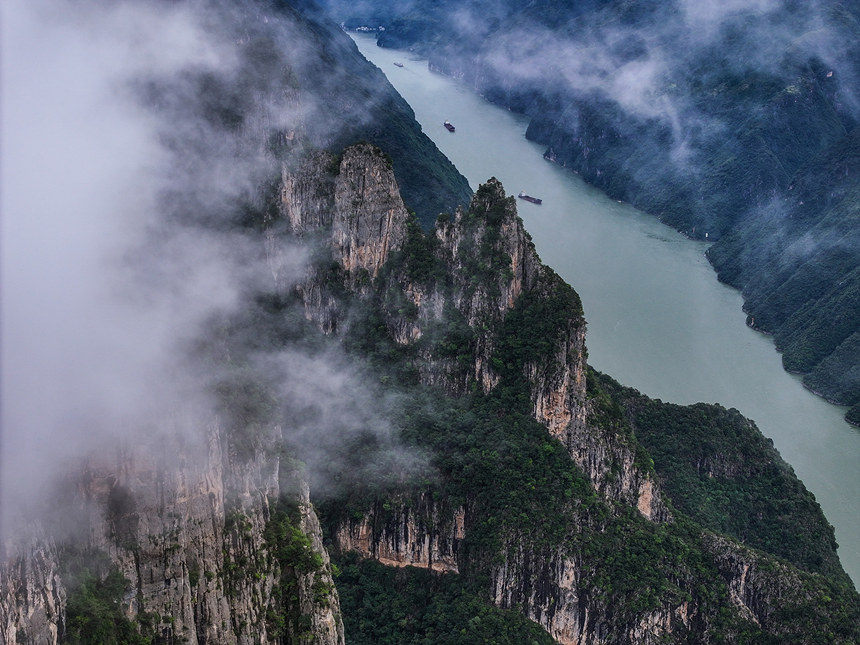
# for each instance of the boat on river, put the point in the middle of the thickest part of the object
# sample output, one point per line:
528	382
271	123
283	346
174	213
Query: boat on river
399	64
529	198
449	126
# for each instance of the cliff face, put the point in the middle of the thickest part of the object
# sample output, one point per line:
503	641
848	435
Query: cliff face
352	208
165	520
486	268
478	272
196	526
186	525
763	590
423	534
189	522
558	600
32	594
370	218
354	200
212	559
486	264
557	375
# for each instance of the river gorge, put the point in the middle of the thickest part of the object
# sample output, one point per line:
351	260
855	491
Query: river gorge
658	319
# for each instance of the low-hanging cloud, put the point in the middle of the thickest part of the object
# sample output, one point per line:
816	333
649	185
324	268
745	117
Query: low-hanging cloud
707	18
643	65
134	135
93	310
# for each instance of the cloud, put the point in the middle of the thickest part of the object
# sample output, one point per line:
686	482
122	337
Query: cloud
340	422
645	64
135	138
706	18
88	334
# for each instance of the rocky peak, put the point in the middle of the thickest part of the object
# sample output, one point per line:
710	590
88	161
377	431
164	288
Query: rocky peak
351	208
513	315
355	200
490	255
369	220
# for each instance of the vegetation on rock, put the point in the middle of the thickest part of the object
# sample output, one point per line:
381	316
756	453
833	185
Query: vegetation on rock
742	132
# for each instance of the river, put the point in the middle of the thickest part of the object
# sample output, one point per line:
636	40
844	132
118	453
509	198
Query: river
658	319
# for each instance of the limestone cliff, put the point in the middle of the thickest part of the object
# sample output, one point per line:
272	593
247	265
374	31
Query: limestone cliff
472	309
354	199
774	595
220	543
32	594
186	525
353	208
485	263
401	534
486	278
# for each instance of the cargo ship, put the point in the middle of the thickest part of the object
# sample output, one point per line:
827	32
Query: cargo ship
529	198
449	125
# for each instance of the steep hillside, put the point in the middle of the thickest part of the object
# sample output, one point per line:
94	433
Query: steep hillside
712	461
415	404
360	104
709	118
539	495
509	468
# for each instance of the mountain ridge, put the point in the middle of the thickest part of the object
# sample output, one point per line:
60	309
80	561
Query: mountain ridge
419	398
713	141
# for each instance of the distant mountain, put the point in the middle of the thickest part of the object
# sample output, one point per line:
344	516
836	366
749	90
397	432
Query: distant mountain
734	123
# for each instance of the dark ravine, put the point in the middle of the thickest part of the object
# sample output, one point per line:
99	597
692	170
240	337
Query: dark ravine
768	142
527	483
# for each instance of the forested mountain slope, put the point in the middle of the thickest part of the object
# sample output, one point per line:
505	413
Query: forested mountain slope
735	124
354	101
368	432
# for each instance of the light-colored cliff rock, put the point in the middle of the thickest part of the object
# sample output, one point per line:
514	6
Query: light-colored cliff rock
547	588
419	534
754	590
317	595
184	521
551	588
369	221
307	194
491	261
349	208
608	457
32	594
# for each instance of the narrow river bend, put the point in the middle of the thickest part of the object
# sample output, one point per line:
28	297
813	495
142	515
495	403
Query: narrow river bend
658	319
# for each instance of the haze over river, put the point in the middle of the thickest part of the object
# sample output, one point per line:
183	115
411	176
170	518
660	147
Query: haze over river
658	319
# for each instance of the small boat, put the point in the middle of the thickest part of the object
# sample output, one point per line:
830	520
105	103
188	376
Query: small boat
399	64
449	125
529	198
